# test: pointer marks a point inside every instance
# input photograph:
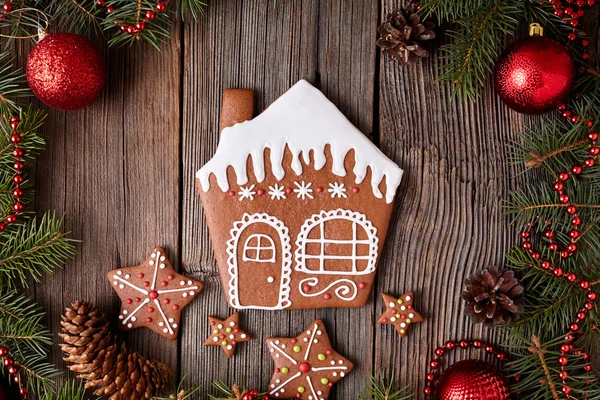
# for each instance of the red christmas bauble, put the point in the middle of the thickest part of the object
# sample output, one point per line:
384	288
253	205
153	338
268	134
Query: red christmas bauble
66	71
534	75
473	380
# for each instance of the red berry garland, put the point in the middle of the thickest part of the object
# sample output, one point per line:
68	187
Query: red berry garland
140	25
18	166
13	371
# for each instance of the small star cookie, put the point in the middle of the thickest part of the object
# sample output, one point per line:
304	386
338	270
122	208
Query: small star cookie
306	367
153	295
227	334
399	312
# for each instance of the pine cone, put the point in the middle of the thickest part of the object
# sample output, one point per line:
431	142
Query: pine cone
107	364
494	297
403	34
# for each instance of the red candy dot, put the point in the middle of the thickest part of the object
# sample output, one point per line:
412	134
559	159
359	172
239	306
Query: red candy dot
175	307
260	192
355	190
140	276
231	193
304	367
288	190
319	189
306	288
146	283
327	296
148	319
164	283
362	285
150	309
137	299
294	341
233	342
170	277
384	320
328	352
236	330
278	370
166	301
212	323
153	294
129	301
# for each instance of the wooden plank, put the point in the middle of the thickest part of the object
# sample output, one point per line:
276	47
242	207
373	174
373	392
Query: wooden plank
266	48
449	223
113	169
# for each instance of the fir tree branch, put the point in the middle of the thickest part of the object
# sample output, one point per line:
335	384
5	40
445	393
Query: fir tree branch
537	349
383	388
538	159
69	391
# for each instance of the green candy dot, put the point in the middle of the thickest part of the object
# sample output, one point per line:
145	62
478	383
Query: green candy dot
400	301
324	381
322	357
216	331
297	349
408	320
285	370
224	343
301	389
398	315
228	330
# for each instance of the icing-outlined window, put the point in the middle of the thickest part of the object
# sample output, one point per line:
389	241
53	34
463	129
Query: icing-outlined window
338	242
259	248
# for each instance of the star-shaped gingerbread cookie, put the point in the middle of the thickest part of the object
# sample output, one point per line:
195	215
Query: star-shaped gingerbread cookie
400	312
226	333
153	294
306	367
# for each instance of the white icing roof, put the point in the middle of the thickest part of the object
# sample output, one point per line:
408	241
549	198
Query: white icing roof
302	119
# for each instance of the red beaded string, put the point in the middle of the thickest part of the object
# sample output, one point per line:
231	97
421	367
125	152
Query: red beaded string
140	25
13	370
18	166
450	346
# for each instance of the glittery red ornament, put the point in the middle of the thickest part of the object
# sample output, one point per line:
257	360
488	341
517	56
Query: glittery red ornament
534	75
473	380
66	71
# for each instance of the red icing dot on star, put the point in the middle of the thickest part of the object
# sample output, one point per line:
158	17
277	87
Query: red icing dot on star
304	367
146	283
150	309
330	384
260	192
328	352
277	370
233	342
166	301
355	190
170	277
319	189
288	190
153	294
409	307
362	285
394	311
403	316
129	301
148	319
212	323
385	320
294	341
222	336
306	288
327	296
164	283
231	193
236	330
137	299
175	307
140	276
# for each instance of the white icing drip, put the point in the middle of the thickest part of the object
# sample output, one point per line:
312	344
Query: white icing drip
303	120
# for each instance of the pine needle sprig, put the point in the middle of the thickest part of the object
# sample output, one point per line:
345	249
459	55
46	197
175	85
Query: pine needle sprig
477	43
12	83
226	392
447	10
34	249
383	388
77	16
71	390
195	8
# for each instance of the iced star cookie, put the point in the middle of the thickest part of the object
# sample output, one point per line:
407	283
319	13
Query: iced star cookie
227	334
306	367
400	312
153	295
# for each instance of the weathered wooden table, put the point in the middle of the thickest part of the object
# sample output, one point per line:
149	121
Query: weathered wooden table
122	171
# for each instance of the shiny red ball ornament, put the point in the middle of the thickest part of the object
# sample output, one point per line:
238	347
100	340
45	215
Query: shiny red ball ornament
66	71
534	75
473	380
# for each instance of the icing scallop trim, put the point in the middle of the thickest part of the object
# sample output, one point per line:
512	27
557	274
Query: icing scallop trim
303	120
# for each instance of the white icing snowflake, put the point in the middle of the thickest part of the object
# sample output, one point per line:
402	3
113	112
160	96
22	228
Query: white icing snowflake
337	190
247	193
277	192
303	190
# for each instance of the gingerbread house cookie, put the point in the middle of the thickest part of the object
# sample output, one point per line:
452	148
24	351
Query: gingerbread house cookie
298	203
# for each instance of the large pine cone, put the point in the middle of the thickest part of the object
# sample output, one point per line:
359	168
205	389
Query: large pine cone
403	34
107	364
494	297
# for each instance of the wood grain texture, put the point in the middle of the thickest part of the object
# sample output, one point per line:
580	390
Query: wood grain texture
123	172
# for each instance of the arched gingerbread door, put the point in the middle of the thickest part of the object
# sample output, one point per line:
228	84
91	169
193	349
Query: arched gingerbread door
260	263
